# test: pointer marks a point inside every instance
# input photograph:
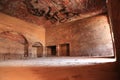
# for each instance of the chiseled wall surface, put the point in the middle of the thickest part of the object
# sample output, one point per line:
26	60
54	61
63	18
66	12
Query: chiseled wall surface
31	32
87	37
114	13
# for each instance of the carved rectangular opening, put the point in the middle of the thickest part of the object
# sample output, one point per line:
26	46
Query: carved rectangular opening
51	51
64	50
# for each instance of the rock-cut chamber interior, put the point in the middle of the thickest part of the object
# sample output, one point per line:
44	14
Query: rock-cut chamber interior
90	37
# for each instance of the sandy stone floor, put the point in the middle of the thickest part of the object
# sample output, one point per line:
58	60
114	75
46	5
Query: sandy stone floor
56	61
59	68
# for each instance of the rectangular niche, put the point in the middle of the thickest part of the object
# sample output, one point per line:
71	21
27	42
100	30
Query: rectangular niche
51	51
64	49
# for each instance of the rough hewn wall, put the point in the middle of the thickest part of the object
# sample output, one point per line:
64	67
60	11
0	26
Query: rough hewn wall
114	13
31	32
87	37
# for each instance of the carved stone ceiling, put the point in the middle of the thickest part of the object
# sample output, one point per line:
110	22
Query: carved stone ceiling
52	11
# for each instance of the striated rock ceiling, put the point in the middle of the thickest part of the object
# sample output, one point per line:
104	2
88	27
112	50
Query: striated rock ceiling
52	11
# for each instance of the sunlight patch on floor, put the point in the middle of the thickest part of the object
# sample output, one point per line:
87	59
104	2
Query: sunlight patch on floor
56	61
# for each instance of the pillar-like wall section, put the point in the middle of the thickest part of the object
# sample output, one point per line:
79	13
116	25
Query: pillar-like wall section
114	13
86	37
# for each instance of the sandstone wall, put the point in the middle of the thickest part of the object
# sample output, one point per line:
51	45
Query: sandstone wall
31	32
87	37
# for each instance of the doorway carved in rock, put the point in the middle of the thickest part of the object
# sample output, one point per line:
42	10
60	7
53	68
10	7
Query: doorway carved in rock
51	50
38	49
64	49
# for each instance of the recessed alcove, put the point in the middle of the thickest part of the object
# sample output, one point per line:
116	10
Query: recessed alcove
51	51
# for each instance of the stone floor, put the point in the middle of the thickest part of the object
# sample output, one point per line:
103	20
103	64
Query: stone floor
56	61
60	68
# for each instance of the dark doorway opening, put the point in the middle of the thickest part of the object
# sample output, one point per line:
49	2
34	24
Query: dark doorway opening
39	49
64	50
51	51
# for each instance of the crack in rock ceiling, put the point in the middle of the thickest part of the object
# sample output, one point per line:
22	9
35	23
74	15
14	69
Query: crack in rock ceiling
61	10
40	11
